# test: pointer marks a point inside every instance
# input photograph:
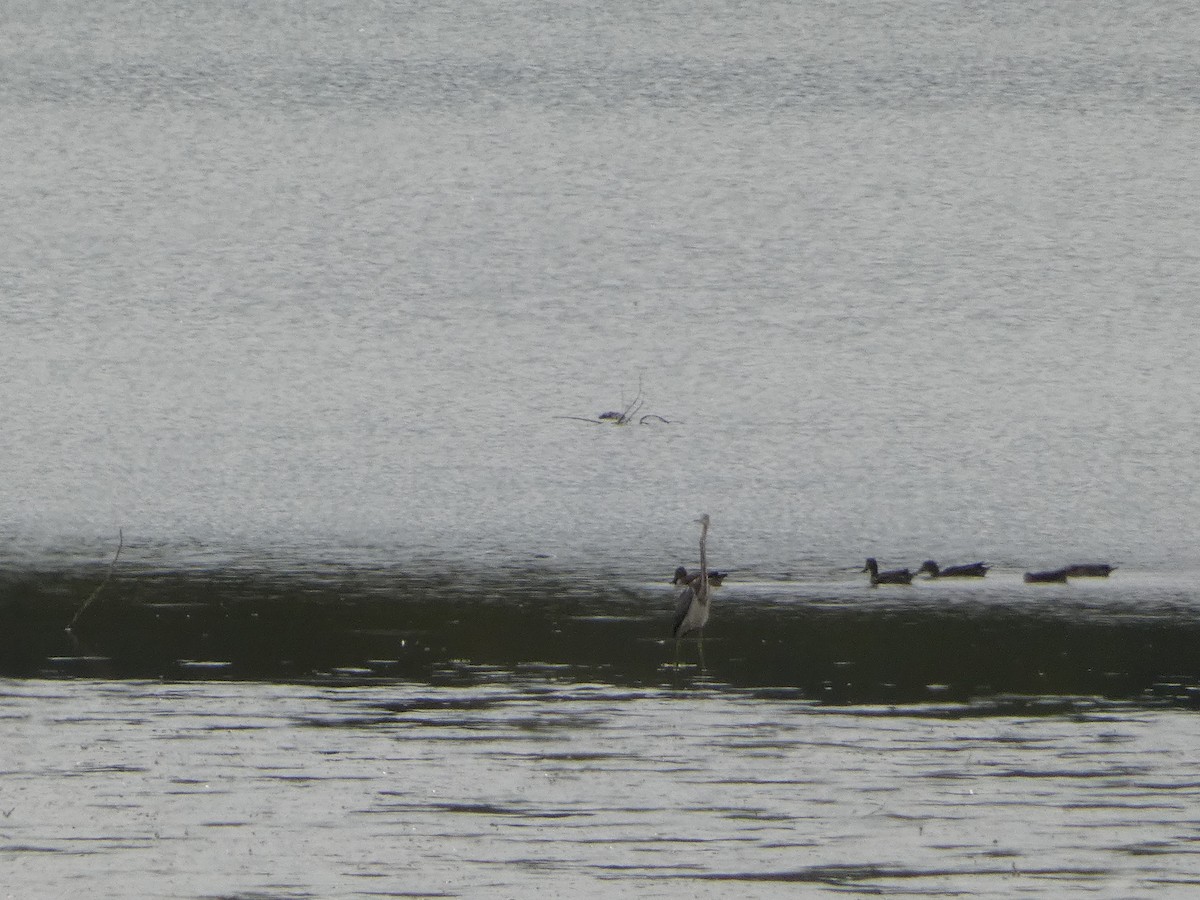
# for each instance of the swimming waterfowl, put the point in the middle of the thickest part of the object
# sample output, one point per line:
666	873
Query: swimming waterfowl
892	576
715	578
1050	576
1090	570
969	570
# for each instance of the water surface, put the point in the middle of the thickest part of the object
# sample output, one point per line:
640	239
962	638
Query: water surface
309	300
227	790
907	282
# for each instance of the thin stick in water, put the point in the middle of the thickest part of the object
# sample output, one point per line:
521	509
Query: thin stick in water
107	578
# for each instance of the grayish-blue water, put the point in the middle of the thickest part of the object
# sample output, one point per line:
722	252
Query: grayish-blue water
233	791
907	279
329	286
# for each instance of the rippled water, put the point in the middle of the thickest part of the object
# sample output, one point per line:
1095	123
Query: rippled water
837	641
227	790
311	303
321	278
367	733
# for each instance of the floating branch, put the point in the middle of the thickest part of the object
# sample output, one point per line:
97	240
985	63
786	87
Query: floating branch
107	578
625	416
634	407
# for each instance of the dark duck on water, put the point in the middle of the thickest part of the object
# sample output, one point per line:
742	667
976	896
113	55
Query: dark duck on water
1090	570
968	570
1049	576
892	576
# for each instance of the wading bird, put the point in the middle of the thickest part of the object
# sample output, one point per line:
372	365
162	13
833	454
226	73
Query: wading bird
893	576
691	607
970	570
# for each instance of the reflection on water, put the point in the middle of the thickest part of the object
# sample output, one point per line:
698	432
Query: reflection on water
236	789
1129	637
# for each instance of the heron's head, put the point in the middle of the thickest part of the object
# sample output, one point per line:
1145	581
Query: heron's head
703	520
680	576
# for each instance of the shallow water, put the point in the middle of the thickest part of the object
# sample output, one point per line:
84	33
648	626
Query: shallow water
215	789
377	733
835	639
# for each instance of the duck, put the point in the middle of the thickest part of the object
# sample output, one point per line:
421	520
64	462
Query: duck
892	576
969	570
1090	570
1049	576
715	578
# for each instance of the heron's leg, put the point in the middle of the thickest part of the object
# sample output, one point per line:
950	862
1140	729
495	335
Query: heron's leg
700	645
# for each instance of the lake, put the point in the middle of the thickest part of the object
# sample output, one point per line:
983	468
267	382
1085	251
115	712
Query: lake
314	309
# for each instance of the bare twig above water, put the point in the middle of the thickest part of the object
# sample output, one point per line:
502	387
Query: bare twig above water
107	578
626	415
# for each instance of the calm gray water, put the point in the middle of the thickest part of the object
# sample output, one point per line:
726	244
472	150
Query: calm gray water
323	287
907	279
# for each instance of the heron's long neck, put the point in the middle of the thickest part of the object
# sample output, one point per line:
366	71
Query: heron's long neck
703	594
